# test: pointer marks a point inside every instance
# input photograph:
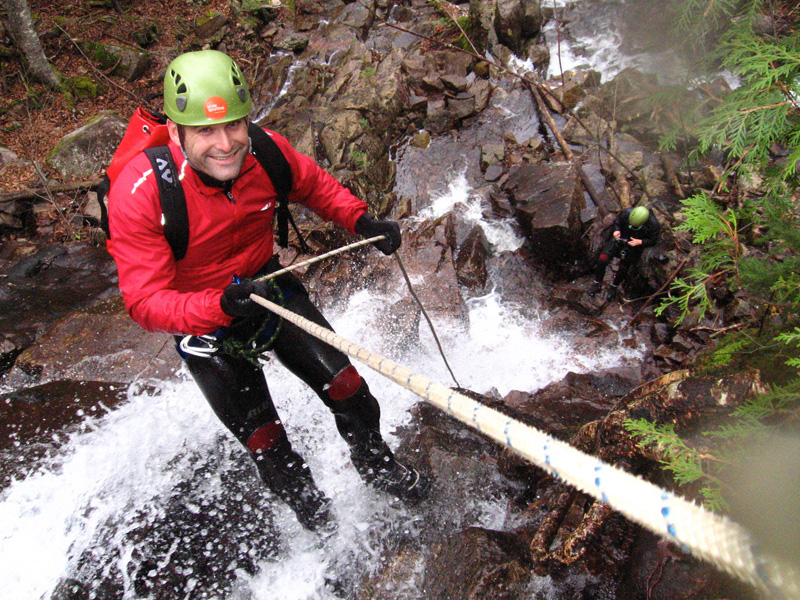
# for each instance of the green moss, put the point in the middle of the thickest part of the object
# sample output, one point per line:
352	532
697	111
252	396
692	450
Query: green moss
82	86
359	158
100	54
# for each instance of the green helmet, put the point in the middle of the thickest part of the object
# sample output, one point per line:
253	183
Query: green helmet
638	217
205	88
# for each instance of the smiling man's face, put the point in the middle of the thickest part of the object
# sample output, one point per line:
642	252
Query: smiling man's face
216	150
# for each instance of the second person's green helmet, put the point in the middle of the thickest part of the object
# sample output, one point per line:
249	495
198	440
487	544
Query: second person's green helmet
205	88
638	216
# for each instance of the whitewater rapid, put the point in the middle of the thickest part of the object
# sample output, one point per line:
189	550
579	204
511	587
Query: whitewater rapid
132	458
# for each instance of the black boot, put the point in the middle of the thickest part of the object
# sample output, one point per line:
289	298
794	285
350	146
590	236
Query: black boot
288	477
611	293
593	289
358	420
379	468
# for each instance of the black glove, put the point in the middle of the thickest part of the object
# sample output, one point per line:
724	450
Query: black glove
367	226
236	300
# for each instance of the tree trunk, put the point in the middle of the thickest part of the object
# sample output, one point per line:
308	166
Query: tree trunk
20	26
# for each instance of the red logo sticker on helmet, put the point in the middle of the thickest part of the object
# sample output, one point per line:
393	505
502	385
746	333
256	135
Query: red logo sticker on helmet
215	108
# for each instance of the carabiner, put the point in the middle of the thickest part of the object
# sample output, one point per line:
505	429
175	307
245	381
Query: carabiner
199	345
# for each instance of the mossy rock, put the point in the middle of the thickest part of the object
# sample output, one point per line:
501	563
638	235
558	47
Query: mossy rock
88	150
117	60
83	86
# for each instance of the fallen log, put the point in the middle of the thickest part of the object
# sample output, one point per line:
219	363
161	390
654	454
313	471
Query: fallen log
47	191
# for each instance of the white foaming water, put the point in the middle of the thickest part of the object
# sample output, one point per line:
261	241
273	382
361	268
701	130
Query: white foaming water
599	52
501	234
121	464
129	458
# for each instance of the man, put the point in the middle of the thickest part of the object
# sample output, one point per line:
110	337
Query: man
634	230
230	202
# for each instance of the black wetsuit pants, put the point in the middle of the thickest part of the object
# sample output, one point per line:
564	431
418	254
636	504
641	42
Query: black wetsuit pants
628	255
238	393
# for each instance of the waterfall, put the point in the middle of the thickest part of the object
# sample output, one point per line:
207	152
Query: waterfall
120	471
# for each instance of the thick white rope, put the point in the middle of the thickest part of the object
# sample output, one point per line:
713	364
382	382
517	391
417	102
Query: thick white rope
707	535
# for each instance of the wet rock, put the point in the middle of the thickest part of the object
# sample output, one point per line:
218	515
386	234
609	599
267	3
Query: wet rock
517	21
517	280
100	344
35	422
266	10
462	104
454	83
561	408
7	157
548	200
492	153
539	55
463	464
479	563
211	28
287	40
660	571
44	284
574	86
481	18
471	261
439	118
493	172
587	129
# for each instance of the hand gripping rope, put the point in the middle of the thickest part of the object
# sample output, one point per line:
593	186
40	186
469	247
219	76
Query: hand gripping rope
709	536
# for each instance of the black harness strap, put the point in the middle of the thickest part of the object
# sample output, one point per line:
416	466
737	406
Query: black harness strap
280	173
173	201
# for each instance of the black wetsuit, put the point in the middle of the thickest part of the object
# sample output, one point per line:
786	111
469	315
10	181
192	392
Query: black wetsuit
629	255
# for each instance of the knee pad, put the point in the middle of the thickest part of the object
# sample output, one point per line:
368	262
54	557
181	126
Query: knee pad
346	383
263	438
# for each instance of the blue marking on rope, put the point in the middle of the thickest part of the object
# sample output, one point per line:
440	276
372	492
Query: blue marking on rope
475	417
505	431
547	455
665	513
449	400
427	389
603	496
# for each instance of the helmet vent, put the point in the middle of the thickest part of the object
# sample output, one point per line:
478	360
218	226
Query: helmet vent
181	89
180	103
242	93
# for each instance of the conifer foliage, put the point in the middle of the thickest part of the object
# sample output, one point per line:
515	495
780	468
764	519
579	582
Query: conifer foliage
747	229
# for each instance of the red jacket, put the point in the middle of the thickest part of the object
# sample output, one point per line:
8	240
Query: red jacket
225	237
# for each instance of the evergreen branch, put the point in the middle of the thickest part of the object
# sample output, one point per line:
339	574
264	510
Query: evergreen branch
685	464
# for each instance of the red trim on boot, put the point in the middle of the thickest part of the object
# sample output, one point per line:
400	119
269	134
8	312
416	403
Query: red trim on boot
345	384
264	437
603	257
